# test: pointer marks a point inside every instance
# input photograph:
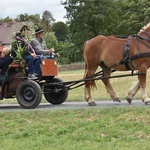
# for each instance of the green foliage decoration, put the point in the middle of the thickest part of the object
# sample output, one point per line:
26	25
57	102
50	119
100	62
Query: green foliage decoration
17	47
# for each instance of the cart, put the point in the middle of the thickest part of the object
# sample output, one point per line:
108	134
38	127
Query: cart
29	92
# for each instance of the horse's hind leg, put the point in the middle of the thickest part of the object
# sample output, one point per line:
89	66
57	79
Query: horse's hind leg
133	90
108	86
88	85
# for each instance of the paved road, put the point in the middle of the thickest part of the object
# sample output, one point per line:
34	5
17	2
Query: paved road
75	105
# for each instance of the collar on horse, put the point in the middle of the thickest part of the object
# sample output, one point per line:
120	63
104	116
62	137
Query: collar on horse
127	59
126	54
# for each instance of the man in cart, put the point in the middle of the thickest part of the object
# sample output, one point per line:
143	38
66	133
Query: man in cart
40	47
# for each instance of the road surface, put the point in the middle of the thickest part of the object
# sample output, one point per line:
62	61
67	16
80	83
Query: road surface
75	105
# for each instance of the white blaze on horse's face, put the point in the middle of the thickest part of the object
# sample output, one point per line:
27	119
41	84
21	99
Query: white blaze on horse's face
108	51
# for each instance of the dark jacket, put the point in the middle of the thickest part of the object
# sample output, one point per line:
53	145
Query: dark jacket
4	64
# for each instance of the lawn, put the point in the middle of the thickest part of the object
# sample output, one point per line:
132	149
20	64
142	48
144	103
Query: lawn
86	129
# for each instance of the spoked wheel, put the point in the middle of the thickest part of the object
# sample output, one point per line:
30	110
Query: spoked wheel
29	94
55	94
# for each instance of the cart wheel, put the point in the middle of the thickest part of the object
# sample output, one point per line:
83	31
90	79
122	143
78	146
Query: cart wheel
55	94
29	94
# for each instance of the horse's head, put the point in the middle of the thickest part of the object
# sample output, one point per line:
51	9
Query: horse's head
145	31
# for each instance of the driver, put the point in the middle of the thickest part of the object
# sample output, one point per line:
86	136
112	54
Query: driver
39	45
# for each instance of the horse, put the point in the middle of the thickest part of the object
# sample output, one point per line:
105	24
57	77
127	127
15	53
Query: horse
120	54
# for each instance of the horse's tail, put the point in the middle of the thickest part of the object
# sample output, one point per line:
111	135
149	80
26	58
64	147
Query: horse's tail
84	59
91	83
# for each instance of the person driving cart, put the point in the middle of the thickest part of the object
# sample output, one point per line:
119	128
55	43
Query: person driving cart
40	47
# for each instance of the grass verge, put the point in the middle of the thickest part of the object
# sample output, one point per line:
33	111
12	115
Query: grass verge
92	128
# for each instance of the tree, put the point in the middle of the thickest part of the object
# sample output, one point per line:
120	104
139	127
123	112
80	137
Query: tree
35	19
22	17
51	40
7	19
61	31
135	14
89	18
47	20
25	17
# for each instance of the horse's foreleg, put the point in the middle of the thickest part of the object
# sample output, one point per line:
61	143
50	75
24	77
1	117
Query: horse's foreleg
108	86
133	90
145	98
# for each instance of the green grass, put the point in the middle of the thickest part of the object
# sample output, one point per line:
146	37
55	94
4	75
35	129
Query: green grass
79	129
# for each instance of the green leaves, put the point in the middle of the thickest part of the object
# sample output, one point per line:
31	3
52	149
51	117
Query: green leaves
89	18
19	54
61	31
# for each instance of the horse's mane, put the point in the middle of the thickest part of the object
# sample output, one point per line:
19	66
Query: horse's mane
145	27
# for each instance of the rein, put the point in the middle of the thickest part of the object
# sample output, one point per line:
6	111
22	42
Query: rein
59	50
141	40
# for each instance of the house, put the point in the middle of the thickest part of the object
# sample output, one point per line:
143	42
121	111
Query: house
1	47
8	30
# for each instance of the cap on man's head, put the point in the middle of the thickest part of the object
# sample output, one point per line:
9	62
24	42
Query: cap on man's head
25	27
38	31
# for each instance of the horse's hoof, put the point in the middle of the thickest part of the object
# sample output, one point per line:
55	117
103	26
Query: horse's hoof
116	99
129	100
92	103
147	103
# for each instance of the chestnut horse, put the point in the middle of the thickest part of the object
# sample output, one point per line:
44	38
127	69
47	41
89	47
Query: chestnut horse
110	53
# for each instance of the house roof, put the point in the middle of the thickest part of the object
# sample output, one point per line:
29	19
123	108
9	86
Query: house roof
1	48
8	30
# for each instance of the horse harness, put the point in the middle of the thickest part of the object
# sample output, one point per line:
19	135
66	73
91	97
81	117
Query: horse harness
127	59
126	55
